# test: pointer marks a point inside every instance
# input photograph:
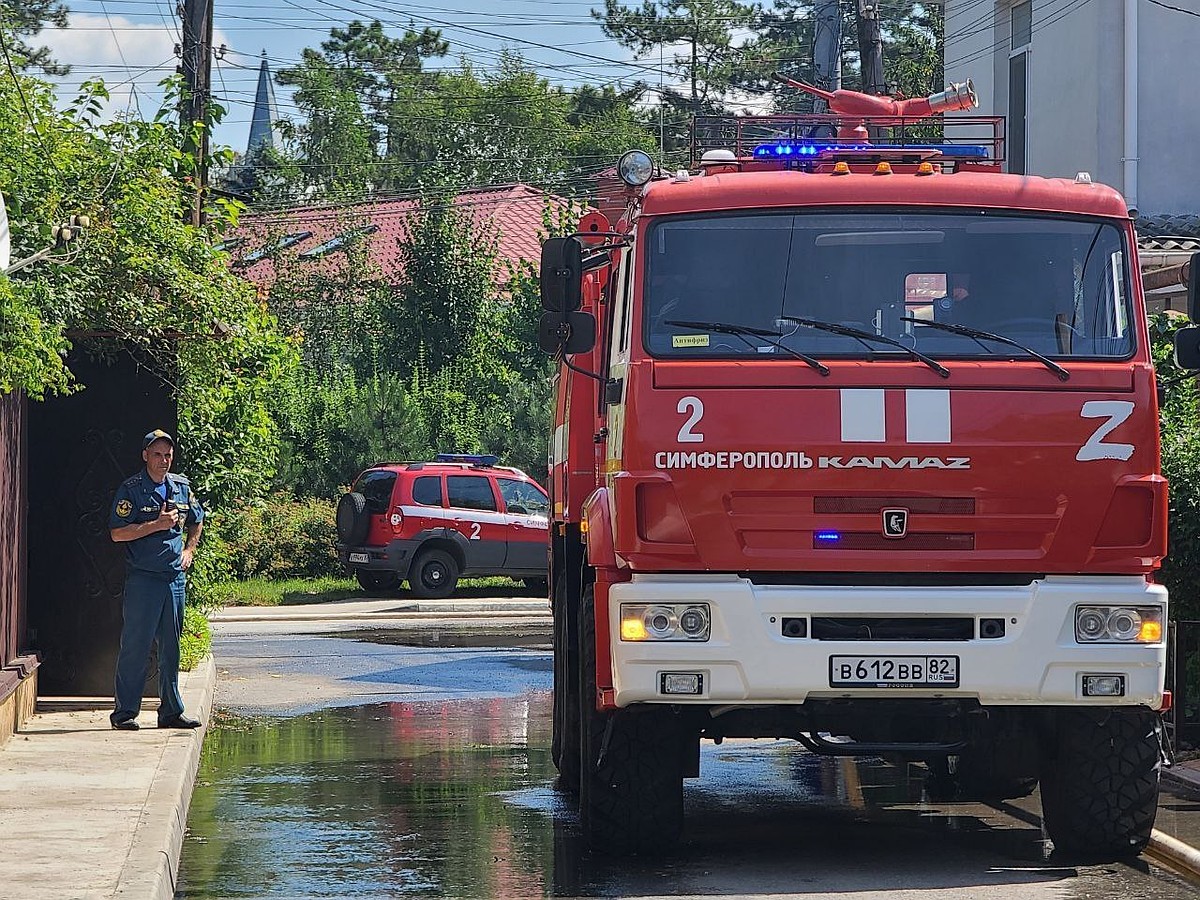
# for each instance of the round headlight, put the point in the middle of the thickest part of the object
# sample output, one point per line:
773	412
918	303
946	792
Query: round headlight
1124	624
660	621
635	168
1091	624
694	621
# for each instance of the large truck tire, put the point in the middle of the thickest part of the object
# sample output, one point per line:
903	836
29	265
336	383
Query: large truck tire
564	743
1100	781
630	772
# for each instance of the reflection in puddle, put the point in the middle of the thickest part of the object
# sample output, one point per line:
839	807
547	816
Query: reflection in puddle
456	798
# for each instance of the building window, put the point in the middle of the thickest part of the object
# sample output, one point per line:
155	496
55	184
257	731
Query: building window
1021	33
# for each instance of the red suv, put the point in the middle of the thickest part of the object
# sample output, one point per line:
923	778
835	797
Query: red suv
433	522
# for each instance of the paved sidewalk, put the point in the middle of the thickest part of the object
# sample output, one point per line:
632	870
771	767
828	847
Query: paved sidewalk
88	812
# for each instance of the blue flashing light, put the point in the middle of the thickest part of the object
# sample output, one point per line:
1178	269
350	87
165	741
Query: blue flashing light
810	149
830	536
474	459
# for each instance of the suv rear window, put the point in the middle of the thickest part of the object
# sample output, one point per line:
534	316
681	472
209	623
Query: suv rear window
470	492
523	496
427	490
377	486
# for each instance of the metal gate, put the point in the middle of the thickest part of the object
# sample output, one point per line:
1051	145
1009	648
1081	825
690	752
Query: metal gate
81	447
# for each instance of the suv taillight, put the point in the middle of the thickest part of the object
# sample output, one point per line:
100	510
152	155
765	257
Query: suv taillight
396	519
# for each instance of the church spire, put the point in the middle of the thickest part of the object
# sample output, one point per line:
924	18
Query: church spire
262	123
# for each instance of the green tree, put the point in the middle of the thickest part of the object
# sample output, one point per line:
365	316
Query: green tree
707	30
23	20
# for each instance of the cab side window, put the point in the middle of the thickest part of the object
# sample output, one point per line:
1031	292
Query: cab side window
523	498
427	490
470	492
376	487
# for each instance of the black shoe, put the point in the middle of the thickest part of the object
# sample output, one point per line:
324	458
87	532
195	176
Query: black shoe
180	721
125	725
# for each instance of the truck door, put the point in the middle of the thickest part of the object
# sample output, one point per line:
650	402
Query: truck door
527	509
475	514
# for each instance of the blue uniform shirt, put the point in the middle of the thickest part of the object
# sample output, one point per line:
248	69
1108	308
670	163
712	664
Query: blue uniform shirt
138	500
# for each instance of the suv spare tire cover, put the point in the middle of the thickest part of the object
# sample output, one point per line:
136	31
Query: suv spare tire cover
353	521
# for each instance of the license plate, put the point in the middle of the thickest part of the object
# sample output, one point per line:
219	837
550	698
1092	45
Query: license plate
893	671
360	557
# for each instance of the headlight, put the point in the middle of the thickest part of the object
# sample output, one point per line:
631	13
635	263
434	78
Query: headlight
1118	624
635	168
664	622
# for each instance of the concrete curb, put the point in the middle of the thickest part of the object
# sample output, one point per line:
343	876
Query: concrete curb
1183	778
152	863
402	616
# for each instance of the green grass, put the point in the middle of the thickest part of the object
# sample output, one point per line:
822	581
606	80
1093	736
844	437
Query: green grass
294	591
196	640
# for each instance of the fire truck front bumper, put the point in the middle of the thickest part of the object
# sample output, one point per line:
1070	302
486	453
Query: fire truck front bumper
1062	640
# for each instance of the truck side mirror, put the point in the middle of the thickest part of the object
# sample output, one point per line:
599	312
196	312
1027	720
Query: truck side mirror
561	275
1187	348
1193	288
568	332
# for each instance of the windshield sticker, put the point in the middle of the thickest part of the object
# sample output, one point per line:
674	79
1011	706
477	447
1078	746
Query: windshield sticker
797	459
689	340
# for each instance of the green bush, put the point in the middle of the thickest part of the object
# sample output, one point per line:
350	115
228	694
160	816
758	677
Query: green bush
196	640
281	537
1180	426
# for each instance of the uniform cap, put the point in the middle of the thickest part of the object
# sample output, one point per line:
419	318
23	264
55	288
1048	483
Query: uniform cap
156	435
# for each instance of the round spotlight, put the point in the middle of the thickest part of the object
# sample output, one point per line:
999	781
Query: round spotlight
694	621
660	621
635	168
1124	624
1091	625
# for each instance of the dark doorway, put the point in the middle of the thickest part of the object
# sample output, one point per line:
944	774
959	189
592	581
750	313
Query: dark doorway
81	448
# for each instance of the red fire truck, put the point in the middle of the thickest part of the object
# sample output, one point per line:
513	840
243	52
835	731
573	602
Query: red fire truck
856	443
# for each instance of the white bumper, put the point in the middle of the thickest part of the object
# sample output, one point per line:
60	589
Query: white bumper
747	660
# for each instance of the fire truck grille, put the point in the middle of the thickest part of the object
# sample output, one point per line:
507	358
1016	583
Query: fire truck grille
912	542
934	506
948	628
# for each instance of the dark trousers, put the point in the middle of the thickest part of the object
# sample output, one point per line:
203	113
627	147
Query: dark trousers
153	611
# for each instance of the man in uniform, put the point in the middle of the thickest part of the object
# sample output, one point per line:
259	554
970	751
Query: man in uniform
157	517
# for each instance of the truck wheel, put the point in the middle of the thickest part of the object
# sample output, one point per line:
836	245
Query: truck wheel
564	744
1100	781
434	574
376	582
630	767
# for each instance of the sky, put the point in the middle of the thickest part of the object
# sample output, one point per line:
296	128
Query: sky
131	44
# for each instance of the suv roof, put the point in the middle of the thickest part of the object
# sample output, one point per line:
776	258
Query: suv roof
406	466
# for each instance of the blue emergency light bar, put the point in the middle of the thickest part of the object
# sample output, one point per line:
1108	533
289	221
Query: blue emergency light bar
474	459
809	150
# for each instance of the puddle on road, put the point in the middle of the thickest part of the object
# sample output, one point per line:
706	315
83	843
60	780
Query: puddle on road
456	799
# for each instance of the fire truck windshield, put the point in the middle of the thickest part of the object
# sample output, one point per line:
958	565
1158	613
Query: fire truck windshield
1054	286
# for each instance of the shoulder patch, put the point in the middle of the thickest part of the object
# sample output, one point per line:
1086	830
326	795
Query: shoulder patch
181	478
131	480
124	508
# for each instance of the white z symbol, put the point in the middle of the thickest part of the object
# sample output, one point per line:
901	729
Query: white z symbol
1116	411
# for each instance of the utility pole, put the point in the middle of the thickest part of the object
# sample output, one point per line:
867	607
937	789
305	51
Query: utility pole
870	47
196	68
827	48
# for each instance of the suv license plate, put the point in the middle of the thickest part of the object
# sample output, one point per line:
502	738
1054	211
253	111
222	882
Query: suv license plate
360	557
893	671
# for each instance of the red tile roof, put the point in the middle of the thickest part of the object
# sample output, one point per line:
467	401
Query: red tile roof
513	214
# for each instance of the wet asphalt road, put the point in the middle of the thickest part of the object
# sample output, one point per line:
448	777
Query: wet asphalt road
343	767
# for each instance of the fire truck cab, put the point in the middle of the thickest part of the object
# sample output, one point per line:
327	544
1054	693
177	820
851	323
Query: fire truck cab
857	444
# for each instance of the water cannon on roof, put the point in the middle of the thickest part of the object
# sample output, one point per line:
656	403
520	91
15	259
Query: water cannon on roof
856	106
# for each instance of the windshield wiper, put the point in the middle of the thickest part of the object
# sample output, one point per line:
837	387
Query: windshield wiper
864	336
978	335
740	331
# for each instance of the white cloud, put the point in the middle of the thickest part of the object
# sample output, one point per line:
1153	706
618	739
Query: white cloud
123	52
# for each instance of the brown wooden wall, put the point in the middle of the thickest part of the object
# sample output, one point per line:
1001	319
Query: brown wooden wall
13	439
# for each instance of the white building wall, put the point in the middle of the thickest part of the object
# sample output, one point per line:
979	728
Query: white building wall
1075	90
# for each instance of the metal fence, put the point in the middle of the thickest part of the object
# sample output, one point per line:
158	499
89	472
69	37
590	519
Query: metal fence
1183	680
12	526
